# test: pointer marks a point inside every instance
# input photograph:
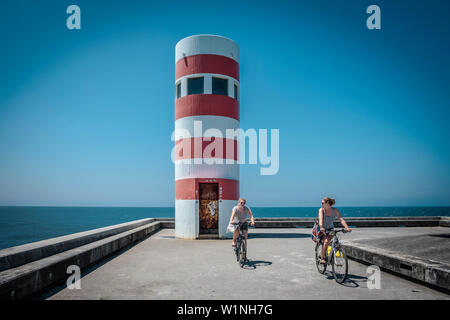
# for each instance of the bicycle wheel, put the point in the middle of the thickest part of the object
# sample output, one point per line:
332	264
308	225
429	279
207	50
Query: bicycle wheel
243	254
340	265
320	267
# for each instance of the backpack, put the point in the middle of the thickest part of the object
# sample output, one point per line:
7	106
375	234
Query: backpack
315	232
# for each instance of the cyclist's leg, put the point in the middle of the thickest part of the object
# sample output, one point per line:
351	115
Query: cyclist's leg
326	240
244	240
235	235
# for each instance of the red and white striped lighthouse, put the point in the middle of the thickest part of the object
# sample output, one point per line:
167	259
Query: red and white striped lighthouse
206	104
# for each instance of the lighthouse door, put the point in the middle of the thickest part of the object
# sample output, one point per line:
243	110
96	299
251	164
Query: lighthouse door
209	207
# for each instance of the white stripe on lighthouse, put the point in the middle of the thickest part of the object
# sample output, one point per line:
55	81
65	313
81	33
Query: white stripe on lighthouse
185	170
206	44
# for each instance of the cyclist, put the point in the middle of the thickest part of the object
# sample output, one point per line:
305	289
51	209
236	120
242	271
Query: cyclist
327	214
239	214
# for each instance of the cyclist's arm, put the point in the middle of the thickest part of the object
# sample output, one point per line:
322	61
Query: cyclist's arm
342	220
250	213
233	213
321	219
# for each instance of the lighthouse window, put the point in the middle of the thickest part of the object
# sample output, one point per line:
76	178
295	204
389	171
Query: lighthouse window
195	85
220	86
178	90
235	91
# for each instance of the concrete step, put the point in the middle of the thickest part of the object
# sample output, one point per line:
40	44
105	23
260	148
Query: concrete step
27	279
208	236
431	272
19	255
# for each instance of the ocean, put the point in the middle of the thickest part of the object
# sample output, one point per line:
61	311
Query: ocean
20	225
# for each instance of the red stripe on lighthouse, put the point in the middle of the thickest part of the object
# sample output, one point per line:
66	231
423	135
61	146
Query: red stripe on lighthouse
207	63
206	104
187	189
191	148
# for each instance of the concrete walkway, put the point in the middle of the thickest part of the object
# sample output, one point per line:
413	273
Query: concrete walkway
281	266
426	243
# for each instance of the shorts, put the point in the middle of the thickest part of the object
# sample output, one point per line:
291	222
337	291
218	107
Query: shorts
327	232
243	226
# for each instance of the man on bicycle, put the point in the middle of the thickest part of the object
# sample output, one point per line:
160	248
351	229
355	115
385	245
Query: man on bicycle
239	214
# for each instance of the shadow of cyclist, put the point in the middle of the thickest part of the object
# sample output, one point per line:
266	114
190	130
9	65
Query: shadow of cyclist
253	264
351	280
278	235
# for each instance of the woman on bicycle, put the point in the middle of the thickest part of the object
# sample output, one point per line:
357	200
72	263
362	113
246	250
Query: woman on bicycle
239	214
327	214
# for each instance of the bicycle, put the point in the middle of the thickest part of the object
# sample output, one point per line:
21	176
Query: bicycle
241	246
338	259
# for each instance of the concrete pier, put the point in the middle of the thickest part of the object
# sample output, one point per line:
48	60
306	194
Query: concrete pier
281	266
422	254
143	260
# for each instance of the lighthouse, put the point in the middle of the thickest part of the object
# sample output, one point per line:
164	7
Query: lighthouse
206	106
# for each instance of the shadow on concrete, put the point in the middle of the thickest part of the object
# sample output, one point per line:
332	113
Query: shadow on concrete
278	235
61	285
442	235
351	281
253	264
166	237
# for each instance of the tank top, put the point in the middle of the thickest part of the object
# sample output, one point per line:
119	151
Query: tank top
328	220
241	216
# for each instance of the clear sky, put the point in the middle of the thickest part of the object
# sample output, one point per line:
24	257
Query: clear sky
86	115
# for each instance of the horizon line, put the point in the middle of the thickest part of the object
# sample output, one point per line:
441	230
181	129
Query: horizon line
77	206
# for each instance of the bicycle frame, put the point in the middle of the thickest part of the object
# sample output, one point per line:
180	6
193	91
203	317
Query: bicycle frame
240	237
336	256
239	240
241	233
334	243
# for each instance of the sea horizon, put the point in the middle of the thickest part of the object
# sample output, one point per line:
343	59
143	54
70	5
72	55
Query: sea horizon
24	224
390	206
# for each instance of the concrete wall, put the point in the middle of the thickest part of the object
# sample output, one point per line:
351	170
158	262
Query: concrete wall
444	222
186	219
352	222
225	208
30	277
429	272
15	256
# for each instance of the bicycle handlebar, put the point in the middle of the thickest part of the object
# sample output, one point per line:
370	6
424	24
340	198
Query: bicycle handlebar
238	223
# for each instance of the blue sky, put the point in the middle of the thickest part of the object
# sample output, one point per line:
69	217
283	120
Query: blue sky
86	115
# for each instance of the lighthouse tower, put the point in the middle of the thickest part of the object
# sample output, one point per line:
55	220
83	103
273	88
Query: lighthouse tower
206	105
